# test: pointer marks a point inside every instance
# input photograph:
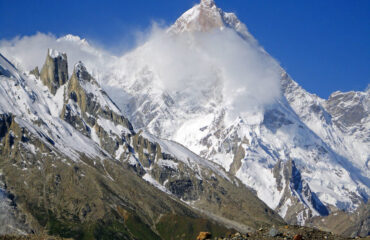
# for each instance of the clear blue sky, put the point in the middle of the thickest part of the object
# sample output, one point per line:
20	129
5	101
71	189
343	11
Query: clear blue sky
323	44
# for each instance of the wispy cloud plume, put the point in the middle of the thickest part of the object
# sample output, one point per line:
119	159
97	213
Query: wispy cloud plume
197	66
30	51
218	62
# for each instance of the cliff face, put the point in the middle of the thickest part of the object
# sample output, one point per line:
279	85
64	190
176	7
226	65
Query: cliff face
54	73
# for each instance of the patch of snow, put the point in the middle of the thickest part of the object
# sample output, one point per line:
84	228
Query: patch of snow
186	156
167	163
283	210
110	127
147	177
94	136
119	152
55	54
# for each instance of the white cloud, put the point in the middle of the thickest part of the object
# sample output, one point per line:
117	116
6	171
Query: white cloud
194	63
30	51
195	66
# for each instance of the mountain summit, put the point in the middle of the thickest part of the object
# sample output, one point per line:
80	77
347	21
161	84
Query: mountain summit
206	16
292	150
197	128
208	3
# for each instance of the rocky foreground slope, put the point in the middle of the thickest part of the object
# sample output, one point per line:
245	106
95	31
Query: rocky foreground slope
278	233
273	233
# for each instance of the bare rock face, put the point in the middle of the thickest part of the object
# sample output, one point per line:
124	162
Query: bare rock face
54	73
87	107
35	72
350	112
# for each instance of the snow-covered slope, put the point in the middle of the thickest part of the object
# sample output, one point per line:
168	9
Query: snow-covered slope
303	155
37	109
206	84
342	121
66	124
206	16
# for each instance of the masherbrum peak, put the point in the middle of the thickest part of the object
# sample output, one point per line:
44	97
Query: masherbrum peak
208	3
292	152
307	158
206	16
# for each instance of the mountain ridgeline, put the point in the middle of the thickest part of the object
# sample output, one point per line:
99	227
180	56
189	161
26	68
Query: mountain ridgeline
215	136
306	157
72	165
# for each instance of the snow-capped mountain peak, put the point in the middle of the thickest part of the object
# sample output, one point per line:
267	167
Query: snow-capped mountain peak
73	39
290	149
205	16
208	3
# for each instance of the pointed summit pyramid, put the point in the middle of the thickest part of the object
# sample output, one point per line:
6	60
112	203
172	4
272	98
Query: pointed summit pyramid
208	3
206	16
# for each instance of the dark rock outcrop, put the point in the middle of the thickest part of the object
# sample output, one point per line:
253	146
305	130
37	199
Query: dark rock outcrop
35	72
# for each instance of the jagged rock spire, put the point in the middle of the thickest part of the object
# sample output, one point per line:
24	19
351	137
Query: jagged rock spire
81	72
54	73
35	72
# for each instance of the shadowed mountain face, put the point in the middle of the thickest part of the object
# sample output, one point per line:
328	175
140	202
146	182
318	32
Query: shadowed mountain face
72	165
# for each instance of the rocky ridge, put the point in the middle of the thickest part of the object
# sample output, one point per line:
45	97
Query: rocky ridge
76	168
